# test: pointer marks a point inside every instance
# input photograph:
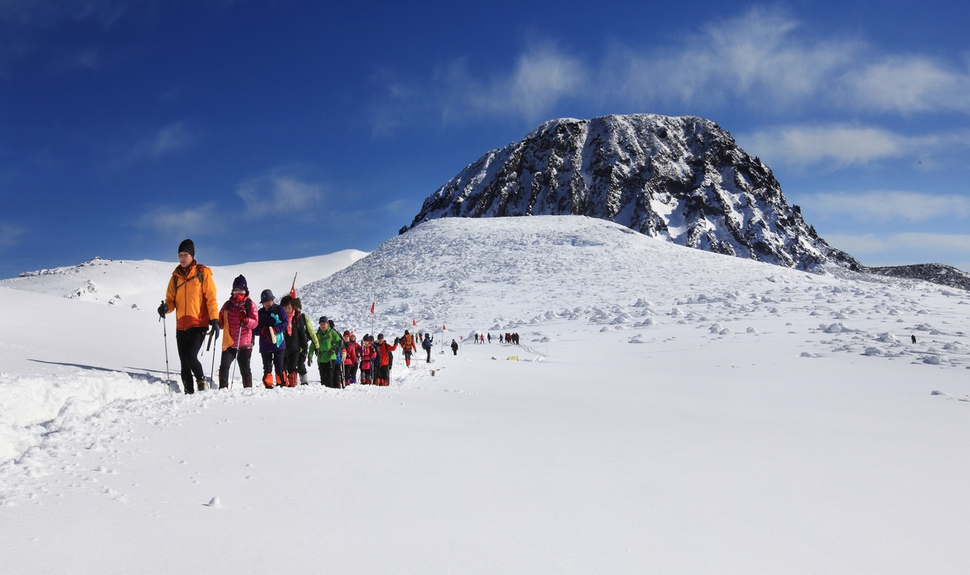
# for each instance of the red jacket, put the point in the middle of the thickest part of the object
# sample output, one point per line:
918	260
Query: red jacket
367	356
384	351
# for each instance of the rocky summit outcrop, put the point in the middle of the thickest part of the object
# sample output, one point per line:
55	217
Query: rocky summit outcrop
683	179
940	274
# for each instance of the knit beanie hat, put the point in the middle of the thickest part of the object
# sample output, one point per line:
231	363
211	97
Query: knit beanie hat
188	247
239	284
323	319
266	296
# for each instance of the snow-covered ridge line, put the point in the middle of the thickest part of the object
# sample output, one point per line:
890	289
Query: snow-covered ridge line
140	284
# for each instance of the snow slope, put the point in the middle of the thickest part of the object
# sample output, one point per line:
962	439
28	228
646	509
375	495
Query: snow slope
670	410
142	283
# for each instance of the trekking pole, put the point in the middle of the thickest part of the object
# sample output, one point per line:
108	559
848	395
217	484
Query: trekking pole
211	369
340	368
238	337
168	380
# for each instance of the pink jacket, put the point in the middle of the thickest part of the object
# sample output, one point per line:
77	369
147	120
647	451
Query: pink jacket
231	321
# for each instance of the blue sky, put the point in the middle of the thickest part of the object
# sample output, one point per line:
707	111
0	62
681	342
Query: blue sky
276	129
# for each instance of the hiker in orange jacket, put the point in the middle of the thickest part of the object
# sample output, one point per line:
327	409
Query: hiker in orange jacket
191	294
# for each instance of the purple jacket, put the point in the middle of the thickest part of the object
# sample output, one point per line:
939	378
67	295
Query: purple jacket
278	324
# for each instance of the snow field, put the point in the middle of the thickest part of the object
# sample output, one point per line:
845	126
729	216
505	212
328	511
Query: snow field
671	411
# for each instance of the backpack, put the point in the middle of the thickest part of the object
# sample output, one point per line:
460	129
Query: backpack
299	331
426	344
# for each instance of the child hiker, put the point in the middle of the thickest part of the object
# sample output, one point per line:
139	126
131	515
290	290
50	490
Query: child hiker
237	319
271	327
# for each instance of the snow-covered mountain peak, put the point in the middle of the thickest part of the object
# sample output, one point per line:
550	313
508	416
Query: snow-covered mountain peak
682	179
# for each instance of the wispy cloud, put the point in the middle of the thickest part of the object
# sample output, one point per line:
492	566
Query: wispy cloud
908	84
171	138
836	146
165	141
11	235
280	193
183	222
49	13
872	245
890	205
763	60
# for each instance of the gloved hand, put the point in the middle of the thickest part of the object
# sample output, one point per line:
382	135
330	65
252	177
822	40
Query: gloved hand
162	309
214	331
309	360
242	315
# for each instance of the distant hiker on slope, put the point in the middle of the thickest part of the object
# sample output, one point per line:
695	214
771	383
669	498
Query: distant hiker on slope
271	329
426	344
408	347
237	318
454	347
191	294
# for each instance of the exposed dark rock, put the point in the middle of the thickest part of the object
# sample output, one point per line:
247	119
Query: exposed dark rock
934	273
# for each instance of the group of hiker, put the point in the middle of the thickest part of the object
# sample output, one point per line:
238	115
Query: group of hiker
512	338
288	342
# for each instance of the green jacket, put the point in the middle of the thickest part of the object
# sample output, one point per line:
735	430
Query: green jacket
326	346
311	333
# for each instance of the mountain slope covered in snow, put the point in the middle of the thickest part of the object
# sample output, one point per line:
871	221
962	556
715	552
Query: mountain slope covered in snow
668	410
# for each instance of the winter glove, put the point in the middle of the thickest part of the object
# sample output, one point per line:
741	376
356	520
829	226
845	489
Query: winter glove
214	324
162	310
242	315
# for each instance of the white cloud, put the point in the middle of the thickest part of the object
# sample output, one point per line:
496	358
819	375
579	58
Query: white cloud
542	77
183	222
763	60
841	145
11	235
909	84
881	245
836	145
279	194
757	57
165	141
890	205
171	138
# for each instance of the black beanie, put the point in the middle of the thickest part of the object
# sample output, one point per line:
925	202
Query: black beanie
188	247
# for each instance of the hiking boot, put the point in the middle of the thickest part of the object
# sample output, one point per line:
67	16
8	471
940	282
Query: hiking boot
268	380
